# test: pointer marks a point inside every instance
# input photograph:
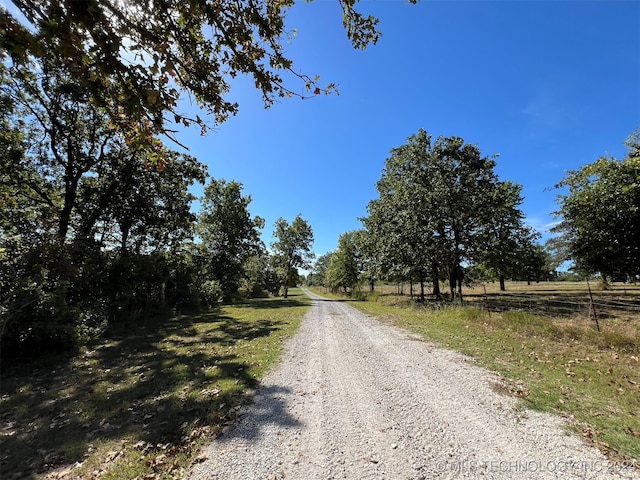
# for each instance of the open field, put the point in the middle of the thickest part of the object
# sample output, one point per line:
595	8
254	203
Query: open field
616	290
554	364
556	299
142	403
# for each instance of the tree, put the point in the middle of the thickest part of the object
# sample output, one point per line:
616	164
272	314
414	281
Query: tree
601	215
461	183
136	57
434	200
368	261
292	249
229	235
75	139
86	220
400	241
320	267
557	252
535	263
344	266
503	241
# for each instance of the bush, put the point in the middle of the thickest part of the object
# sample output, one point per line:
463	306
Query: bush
358	295
210	293
38	322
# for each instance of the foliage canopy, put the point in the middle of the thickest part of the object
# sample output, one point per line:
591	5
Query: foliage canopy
600	215
135	57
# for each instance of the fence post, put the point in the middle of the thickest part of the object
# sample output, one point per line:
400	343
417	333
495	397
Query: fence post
592	306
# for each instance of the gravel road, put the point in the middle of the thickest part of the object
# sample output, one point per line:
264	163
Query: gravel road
354	398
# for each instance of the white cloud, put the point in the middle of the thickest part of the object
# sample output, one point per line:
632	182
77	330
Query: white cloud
547	111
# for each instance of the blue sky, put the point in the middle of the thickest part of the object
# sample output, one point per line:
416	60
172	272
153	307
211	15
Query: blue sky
549	85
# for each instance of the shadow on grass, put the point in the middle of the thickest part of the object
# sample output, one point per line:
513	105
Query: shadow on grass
148	387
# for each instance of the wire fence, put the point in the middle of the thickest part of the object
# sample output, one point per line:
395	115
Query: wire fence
544	301
561	306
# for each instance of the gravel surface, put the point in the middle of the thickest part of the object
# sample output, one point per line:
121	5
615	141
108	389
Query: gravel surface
354	398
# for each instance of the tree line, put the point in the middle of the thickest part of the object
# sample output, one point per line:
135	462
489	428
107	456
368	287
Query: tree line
443	215
96	230
96	220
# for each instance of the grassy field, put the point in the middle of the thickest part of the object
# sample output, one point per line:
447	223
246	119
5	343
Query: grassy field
141	405
561	365
620	291
555	299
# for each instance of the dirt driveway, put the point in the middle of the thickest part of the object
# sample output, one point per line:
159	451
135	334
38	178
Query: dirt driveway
355	399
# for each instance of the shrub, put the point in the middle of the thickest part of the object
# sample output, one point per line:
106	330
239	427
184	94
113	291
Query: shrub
210	293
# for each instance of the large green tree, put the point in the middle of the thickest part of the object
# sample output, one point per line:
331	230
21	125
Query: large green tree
435	197
136	57
600	215
401	233
89	225
230	236
292	248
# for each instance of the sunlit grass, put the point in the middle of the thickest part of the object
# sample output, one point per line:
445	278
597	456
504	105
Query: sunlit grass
142	404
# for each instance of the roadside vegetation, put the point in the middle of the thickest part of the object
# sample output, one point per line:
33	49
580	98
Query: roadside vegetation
560	365
141	403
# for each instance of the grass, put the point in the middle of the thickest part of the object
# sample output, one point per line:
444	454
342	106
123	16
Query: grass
142	404
560	365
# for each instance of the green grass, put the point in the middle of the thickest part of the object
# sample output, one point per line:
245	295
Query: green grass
143	403
563	366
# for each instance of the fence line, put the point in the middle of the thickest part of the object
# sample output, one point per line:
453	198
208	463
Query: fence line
558	306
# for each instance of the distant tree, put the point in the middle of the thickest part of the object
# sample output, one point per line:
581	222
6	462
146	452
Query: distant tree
229	235
320	268
254	283
292	249
557	251
534	261
600	215
368	261
344	266
503	242
136	57
273	279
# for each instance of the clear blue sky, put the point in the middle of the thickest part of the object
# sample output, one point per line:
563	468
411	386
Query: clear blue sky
549	85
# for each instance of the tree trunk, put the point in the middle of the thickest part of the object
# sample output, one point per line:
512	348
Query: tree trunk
502	287
435	279
452	282
70	192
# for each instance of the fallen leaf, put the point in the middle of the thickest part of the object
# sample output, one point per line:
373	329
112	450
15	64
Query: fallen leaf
633	432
